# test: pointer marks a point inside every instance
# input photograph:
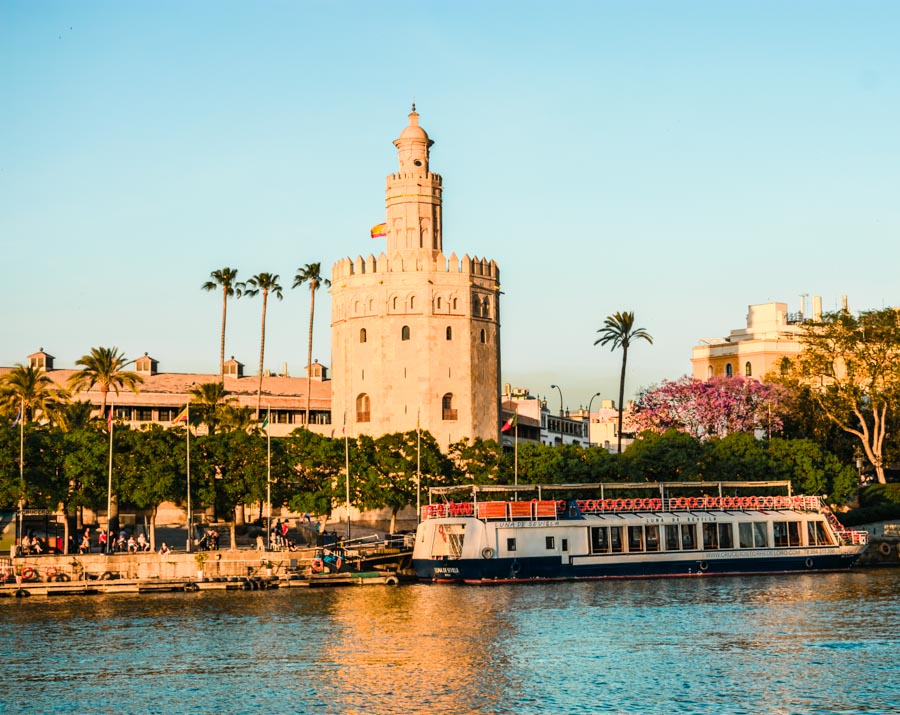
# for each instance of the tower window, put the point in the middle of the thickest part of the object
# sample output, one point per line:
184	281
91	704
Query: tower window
439	302
486	308
362	408
483	336
454	304
729	371
412	302
394	303
404	333
748	370
362	335
449	333
476	306
448	412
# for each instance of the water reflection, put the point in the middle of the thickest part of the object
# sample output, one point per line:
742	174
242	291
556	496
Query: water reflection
817	643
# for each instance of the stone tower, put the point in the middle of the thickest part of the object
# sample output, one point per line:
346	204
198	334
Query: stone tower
415	335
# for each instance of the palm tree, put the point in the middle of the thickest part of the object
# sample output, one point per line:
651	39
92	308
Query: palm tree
619	330
209	398
29	392
226	278
104	367
264	283
310	273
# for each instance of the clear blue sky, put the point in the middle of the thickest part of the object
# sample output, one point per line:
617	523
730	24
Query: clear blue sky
679	159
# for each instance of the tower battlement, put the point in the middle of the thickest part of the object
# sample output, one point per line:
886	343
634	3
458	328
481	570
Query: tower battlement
471	265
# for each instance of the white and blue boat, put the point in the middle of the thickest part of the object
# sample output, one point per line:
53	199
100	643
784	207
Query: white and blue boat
717	531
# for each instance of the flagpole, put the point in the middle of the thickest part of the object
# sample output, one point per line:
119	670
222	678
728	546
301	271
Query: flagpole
109	536
190	525
347	466
268	480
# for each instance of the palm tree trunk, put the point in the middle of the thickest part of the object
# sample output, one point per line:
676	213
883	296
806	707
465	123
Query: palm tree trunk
262	352
621	398
222	343
312	311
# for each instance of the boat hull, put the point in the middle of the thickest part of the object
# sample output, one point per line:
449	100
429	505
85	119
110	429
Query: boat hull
550	569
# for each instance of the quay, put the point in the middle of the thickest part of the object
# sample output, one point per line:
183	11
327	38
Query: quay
226	569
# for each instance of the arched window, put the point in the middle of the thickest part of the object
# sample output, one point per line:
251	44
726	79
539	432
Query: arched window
394	303
476	306
449	333
362	408
709	372
412	302
748	371
404	333
448	412
454	304
486	309
439	302
483	336
362	335
729	372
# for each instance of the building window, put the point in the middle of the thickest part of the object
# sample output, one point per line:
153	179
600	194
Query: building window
394	304
748	371
729	372
449	333
709	372
439	303
143	414
482	335
447	410
454	304
476	306
362	408
362	335
412	302
486	308
404	333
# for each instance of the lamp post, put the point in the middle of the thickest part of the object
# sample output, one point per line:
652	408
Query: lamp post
590	402
560	412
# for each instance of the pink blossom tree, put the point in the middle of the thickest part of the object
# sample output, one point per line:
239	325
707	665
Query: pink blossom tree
708	408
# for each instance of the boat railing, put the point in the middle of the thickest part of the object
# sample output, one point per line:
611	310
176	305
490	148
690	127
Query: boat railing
847	536
549	509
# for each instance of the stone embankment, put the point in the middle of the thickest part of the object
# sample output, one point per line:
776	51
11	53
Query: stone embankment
881	551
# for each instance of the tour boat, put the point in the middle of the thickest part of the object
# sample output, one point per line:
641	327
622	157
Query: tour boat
715	532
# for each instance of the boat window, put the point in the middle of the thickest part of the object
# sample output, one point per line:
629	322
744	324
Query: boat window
615	539
565	545
635	538
726	536
818	534
599	540
652	531
510	544
688	537
672	537
551	543
448	540
710	536
760	535
786	533
745	535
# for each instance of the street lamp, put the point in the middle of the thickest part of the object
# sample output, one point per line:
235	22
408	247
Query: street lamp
552	387
590	402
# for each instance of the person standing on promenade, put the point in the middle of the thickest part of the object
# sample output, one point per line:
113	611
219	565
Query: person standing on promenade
101	540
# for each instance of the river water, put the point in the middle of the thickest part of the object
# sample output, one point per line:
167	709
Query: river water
817	643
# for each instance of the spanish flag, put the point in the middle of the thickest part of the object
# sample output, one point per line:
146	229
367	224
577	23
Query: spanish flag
182	416
510	423
379	230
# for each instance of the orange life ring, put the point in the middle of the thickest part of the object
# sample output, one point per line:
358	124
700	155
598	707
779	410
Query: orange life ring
655	504
692	503
768	503
469	508
628	504
591	505
581	504
728	503
318	564
28	573
50	572
561	506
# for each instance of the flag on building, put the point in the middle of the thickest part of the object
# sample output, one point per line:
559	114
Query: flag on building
182	416
510	423
379	230
265	422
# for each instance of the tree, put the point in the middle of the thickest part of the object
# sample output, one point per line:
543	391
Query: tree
208	401
708	408
310	273
28	392
226	278
851	364
670	456
104	367
264	283
619	330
